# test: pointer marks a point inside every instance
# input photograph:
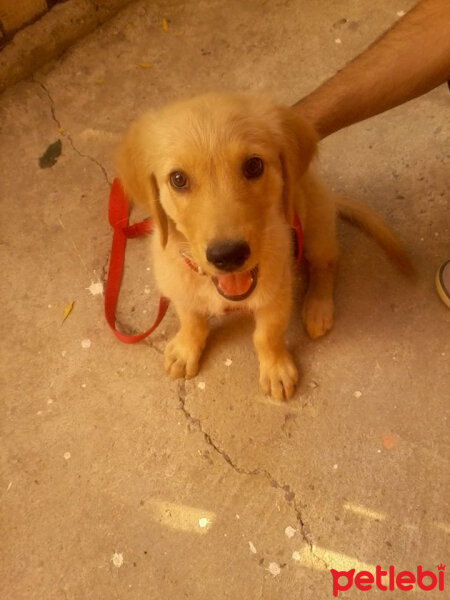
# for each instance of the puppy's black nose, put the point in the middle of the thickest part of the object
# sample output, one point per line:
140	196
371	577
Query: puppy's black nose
228	255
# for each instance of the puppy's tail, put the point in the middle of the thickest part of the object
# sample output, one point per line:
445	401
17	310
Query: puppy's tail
370	222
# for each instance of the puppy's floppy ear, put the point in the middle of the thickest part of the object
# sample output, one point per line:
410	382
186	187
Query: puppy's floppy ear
133	161
298	146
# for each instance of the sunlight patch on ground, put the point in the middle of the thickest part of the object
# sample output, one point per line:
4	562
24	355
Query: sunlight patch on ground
364	512
180	516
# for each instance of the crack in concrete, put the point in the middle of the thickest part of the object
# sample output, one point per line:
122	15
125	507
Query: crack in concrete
65	134
306	533
105	269
154	347
198	425
289	495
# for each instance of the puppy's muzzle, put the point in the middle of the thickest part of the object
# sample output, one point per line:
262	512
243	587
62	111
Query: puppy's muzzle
228	255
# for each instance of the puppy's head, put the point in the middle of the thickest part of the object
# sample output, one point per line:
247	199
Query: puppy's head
218	173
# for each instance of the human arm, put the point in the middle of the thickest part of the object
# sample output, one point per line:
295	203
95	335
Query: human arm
410	59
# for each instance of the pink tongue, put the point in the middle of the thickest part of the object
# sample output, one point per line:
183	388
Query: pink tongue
235	284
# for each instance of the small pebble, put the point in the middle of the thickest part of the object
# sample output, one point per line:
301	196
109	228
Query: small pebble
252	548
117	559
228	362
203	522
67	455
86	343
357	394
338	41
274	569
201	385
289	531
296	556
96	288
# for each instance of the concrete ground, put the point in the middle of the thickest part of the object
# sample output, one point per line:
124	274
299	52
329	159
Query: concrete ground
120	483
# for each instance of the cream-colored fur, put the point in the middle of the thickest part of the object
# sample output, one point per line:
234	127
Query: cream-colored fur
208	139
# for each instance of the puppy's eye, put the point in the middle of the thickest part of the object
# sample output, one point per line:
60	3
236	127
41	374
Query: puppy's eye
179	180
253	167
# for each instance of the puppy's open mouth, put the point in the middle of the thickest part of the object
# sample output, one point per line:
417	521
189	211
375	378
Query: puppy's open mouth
236	286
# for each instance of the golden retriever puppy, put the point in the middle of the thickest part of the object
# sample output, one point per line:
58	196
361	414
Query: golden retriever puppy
222	176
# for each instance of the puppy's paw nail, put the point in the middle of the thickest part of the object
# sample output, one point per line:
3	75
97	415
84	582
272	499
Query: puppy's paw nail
180	360
279	378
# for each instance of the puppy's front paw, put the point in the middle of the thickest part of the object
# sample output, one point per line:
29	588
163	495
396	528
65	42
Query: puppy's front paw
279	376
181	358
317	314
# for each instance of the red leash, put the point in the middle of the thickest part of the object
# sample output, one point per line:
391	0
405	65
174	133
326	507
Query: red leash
118	213
118	218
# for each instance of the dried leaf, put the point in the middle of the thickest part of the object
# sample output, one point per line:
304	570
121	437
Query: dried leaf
145	65
165	25
68	310
50	156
